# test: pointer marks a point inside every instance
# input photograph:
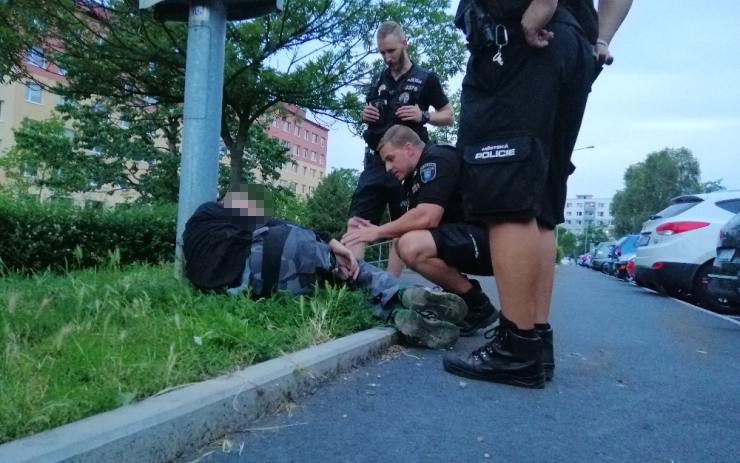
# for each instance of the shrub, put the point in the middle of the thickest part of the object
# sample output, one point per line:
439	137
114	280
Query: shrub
36	236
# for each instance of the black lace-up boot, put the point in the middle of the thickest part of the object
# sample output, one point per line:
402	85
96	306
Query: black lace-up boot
481	313
544	331
510	357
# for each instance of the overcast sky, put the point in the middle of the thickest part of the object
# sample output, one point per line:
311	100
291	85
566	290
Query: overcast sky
675	82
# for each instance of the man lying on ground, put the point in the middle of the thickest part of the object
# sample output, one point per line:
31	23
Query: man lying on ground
234	246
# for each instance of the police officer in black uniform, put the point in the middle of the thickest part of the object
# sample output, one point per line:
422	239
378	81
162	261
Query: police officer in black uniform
402	94
433	237
524	93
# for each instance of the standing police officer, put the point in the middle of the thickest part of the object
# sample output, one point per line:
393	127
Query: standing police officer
524	93
402	94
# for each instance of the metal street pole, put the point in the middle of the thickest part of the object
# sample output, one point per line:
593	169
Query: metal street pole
204	81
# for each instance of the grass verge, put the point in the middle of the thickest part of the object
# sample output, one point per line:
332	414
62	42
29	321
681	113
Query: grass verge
89	341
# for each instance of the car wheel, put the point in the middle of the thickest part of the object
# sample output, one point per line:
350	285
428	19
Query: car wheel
699	291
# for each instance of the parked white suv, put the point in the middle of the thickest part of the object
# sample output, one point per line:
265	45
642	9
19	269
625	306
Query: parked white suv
678	244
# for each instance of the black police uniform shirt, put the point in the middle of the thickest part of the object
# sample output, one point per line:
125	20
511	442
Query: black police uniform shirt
416	86
216	243
436	180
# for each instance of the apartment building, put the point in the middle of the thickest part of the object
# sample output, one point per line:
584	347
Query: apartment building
307	142
584	210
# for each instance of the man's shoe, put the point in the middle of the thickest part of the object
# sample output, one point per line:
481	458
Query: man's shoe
481	313
441	305
548	352
508	359
425	330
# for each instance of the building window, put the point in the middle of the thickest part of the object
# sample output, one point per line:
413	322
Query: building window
321	174
36	58
305	153
568	213
124	124
313	173
295	169
323	140
310	190
33	93
1	109
305	135
305	171
286	126
314	138
61	100
313	155
601	214
567	204
275	122
323	160
296	150
297	131
568	222
303	187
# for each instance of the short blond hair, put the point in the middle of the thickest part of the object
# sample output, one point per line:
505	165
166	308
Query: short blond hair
398	135
390	28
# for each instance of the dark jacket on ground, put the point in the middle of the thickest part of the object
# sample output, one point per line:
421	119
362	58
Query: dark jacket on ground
216	243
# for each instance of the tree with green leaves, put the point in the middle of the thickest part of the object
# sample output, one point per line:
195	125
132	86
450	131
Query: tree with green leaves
591	236
315	54
568	242
650	185
327	208
44	157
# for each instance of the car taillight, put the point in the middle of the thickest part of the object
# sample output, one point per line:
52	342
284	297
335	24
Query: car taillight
673	228
658	265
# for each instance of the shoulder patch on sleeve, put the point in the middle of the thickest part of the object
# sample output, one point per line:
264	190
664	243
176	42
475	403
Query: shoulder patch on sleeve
428	172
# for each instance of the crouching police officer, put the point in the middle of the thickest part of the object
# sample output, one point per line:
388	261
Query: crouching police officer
432	237
402	94
524	93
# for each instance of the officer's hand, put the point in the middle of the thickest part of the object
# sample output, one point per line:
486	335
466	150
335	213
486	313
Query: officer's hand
345	260
534	20
601	50
357	222
365	234
409	113
370	114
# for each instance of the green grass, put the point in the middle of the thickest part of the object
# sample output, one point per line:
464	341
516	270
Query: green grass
93	340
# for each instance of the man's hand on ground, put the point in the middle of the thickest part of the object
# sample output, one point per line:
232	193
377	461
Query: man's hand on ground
345	260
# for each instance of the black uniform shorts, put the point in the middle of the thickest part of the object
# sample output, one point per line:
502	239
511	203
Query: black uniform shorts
519	122
464	246
376	188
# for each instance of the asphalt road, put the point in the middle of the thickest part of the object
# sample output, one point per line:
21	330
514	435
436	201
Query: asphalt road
639	377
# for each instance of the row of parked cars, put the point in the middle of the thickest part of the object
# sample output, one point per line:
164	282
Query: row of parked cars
690	249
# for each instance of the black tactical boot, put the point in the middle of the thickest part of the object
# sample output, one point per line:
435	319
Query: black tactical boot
481	313
509	358
544	331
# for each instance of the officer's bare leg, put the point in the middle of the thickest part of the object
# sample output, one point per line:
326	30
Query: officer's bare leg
395	263
418	251
543	288
517	265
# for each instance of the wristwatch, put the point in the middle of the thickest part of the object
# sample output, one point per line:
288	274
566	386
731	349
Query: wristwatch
424	117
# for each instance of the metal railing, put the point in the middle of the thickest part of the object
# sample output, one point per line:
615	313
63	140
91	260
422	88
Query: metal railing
377	254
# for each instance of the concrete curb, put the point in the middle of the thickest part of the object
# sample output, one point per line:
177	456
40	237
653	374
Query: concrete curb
162	427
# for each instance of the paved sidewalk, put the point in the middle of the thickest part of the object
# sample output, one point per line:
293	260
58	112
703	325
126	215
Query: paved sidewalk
639	377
